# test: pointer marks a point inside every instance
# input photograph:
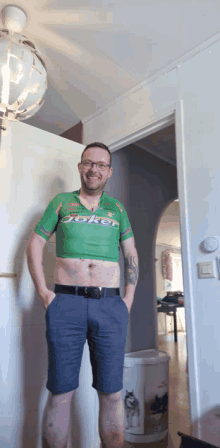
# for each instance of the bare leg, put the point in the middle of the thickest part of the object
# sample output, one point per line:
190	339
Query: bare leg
111	420
56	420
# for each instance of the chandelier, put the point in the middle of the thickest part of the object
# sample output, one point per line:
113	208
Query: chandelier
23	76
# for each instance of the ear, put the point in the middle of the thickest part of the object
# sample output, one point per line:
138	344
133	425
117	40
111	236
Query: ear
110	174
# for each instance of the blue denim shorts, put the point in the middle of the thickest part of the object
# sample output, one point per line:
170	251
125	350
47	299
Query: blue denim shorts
70	320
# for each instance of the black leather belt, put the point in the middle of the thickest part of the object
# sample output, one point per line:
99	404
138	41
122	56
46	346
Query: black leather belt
89	292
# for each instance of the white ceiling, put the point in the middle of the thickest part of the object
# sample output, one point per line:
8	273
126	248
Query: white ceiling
97	50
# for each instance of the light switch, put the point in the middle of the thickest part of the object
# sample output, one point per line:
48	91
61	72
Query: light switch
206	269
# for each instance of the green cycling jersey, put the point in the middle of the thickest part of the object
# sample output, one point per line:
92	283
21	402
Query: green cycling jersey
81	233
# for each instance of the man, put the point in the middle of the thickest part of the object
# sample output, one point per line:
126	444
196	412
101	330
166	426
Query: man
86	304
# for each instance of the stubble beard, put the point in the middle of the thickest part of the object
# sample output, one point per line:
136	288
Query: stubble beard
93	190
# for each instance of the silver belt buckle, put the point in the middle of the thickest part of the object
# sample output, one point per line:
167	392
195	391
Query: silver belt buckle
97	291
100	292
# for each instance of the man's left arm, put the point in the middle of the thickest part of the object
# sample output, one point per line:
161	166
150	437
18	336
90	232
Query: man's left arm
131	270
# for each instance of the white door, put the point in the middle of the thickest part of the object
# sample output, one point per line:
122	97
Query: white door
34	167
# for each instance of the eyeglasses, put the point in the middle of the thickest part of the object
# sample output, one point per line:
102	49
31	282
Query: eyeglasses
100	165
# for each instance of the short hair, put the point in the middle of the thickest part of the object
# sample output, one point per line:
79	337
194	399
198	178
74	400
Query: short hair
98	145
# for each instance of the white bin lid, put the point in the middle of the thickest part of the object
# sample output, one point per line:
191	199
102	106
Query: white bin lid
145	357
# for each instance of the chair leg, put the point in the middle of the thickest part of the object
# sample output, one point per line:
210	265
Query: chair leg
165	314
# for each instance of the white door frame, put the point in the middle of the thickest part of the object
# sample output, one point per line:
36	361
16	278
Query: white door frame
166	119
175	115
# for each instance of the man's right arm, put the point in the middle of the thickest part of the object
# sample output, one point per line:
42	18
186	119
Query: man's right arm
35	266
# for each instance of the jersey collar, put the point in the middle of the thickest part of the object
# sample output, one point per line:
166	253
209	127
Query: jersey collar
102	198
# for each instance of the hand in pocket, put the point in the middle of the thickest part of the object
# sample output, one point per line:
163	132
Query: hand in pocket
47	298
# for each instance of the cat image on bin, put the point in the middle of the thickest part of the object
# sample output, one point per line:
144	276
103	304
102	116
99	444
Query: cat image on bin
132	410
159	406
156	414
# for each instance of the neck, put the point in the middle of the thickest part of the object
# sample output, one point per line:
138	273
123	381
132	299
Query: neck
91	198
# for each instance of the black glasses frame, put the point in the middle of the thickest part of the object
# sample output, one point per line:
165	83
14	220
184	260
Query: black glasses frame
94	163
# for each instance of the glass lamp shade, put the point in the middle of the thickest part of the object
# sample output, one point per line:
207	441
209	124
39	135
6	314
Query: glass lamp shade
23	77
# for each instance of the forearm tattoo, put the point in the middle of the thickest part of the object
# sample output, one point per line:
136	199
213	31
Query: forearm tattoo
131	270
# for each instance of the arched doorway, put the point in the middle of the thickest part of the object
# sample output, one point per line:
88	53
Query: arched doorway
168	241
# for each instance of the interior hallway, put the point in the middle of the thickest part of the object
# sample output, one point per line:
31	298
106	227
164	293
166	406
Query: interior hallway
179	417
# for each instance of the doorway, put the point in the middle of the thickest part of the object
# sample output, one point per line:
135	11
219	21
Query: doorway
162	118
149	189
168	242
162	144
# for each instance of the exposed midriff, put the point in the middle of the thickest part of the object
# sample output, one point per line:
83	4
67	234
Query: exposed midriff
85	272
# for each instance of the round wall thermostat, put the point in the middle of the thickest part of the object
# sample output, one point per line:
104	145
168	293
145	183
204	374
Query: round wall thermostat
210	244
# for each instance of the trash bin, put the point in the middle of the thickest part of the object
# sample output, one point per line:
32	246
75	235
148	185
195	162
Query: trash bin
145	395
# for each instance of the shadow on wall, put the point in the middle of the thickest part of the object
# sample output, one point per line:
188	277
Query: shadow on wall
31	316
206	428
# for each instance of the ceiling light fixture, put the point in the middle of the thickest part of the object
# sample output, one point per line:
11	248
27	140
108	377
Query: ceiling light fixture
23	75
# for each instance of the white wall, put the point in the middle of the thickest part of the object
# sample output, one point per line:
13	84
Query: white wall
194	86
169	227
34	167
177	282
199	90
177	270
133	111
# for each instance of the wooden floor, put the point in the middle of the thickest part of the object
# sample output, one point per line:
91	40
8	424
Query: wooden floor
179	418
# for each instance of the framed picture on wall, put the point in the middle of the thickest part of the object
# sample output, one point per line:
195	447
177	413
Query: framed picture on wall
168	285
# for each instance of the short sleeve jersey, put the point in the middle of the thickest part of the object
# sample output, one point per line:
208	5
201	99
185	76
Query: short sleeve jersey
81	233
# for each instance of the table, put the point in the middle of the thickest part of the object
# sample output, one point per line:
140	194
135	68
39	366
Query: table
171	309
